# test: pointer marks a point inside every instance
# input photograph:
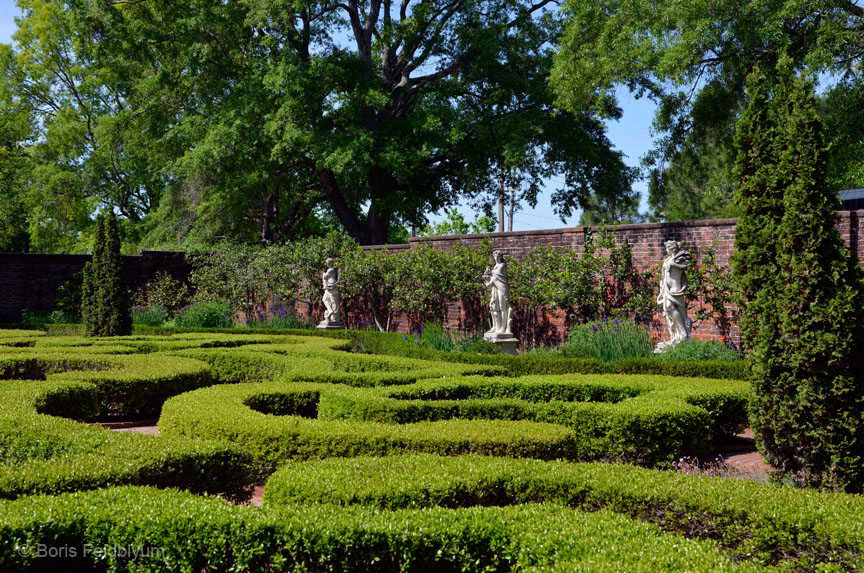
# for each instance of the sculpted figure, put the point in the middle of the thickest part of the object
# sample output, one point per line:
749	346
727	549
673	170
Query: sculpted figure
496	278
673	287
332	298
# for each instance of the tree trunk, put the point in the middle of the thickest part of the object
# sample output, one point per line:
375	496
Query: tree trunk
500	200
375	229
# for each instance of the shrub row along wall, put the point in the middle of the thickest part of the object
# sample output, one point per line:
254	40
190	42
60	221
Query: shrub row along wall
30	281
646	242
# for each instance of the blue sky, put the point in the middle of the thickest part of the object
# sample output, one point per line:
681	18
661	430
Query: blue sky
630	135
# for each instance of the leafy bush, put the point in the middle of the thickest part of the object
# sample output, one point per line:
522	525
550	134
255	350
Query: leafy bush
477	345
205	315
690	350
151	316
163	292
32	318
609	340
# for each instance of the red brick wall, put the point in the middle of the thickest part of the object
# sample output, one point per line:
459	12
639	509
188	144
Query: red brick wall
646	242
31	280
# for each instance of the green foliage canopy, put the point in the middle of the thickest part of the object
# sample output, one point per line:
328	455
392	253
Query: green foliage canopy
257	120
693	59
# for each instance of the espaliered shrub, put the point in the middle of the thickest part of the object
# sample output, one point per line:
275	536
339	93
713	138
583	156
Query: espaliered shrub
179	532
105	303
769	525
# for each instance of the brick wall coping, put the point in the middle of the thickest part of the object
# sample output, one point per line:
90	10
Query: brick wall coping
395	247
578	230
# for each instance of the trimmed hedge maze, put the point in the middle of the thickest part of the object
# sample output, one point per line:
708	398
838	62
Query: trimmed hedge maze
382	463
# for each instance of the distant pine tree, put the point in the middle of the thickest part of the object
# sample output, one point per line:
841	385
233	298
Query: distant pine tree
802	291
105	303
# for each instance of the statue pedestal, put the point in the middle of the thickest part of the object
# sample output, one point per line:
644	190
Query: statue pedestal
505	341
663	347
327	325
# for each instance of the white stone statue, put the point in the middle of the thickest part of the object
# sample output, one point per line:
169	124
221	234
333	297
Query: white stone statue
496	277
332	298
673	288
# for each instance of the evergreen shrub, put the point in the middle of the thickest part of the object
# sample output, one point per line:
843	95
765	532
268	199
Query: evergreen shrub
803	320
205	315
105	304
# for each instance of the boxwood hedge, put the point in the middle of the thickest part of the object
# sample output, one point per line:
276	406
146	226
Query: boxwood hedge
769	523
278	430
171	531
645	419
42	453
42	448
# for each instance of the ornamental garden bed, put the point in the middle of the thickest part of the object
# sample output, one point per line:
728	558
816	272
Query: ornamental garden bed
380	462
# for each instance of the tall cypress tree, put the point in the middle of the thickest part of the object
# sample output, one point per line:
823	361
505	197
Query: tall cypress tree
91	281
760	200
803	294
105	303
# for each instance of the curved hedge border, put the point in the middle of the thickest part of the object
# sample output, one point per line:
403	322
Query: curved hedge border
42	451
643	419
171	531
48	454
126	384
770	523
226	413
321	360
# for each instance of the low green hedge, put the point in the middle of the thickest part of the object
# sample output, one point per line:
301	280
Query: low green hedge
642	419
274	417
171	531
127	385
799	529
322	360
42	453
224	413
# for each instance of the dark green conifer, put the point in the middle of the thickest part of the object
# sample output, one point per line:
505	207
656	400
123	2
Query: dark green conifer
802	294
105	304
